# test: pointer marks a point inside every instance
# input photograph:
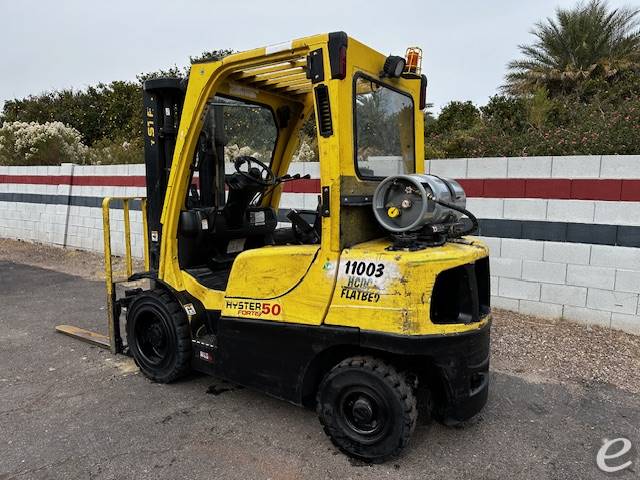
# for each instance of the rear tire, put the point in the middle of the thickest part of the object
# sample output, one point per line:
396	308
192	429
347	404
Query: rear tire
158	336
367	409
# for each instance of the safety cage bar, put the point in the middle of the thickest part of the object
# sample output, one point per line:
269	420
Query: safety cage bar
113	341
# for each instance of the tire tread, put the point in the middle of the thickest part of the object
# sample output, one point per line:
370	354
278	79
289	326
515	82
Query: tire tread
396	381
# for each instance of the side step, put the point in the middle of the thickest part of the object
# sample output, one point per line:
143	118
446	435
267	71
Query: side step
85	335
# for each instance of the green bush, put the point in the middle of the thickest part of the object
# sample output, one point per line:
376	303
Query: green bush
109	111
116	152
608	123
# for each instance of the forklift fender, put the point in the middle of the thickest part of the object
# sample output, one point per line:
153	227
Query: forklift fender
194	309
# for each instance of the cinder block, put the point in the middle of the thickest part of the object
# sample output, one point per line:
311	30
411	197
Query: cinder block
137	169
545	272
627	281
620	166
564	294
450	167
575	253
587	316
506	267
312	168
493	244
591	233
310	201
66	169
529	167
488	167
486	207
494	284
540	309
591	276
505	303
627	258
626	323
519	289
525	209
516	248
297	167
617	213
611	301
579	166
577	211
291	200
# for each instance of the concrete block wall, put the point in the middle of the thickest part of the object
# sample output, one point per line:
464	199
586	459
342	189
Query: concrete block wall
62	205
564	232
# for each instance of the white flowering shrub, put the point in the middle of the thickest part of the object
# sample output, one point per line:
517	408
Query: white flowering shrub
32	143
233	151
307	151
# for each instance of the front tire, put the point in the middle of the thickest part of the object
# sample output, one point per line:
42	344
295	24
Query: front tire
367	409
158	336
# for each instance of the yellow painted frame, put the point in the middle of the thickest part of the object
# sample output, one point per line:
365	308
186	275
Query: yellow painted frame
259	75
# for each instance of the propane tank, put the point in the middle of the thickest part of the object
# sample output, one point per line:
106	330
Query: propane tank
405	203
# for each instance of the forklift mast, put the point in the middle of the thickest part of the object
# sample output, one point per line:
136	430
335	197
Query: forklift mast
163	99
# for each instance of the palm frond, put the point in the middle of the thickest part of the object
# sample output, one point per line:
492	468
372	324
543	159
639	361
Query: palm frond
575	45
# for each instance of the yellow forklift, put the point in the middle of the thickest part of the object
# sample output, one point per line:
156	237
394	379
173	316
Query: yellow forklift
360	307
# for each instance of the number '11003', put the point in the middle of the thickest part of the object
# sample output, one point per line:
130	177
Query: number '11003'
369	269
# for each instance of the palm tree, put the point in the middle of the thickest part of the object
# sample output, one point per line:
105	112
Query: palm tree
588	41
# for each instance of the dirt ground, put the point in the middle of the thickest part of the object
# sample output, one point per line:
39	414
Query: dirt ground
69	410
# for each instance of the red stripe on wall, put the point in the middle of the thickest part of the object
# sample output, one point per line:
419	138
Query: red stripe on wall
549	188
498	188
36	179
111	181
311	185
473	188
91	181
596	189
630	191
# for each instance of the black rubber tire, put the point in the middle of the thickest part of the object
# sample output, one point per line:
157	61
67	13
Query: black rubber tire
170	357
381	385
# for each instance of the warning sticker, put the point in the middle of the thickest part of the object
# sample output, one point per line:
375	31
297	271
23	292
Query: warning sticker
190	309
257	218
236	245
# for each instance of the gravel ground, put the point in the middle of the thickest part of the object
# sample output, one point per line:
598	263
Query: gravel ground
83	264
521	344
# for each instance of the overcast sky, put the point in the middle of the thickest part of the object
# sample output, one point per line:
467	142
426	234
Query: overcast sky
74	43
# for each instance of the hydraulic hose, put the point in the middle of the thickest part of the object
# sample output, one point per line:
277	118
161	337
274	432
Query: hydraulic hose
474	221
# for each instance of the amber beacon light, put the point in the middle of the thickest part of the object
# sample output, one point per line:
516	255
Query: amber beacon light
414	60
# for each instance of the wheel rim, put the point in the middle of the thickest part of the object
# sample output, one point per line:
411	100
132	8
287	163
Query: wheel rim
363	414
154	338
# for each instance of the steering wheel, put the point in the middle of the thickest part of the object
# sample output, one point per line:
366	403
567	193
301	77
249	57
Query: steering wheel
265	177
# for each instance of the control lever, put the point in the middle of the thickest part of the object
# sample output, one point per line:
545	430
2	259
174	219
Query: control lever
307	231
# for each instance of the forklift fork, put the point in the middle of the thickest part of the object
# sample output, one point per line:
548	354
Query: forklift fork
113	341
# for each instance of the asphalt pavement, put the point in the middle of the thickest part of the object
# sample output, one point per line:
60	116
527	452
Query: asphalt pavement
69	410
